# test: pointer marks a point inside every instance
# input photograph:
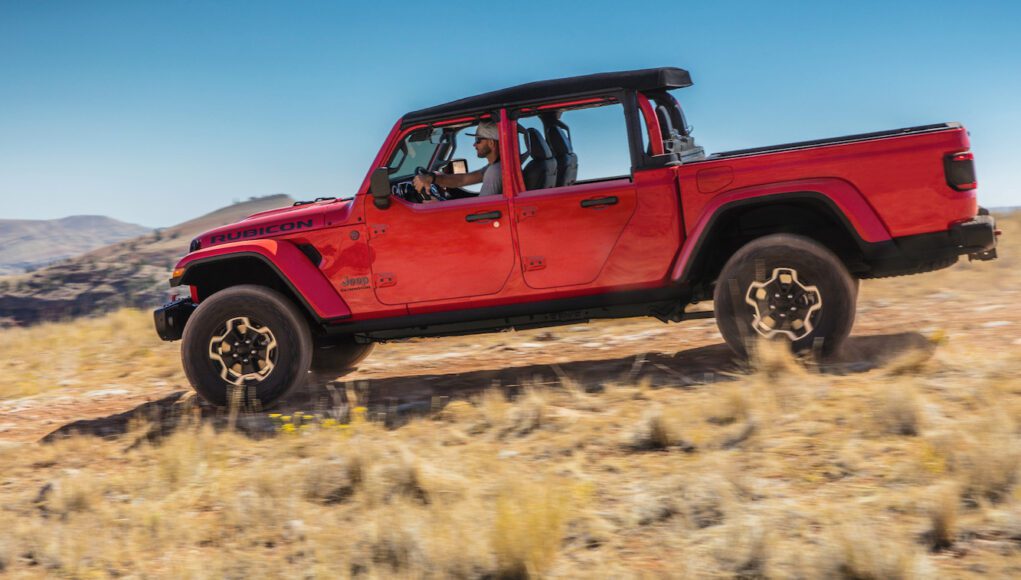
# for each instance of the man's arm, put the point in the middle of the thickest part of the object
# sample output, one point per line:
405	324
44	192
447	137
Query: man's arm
422	182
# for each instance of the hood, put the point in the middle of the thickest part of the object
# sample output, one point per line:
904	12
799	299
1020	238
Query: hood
279	222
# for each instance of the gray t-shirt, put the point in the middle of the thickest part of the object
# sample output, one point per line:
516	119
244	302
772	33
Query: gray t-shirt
492	182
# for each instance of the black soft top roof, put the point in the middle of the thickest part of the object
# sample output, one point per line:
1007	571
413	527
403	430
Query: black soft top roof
639	80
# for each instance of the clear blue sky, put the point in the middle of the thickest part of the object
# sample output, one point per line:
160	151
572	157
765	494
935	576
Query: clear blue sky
154	112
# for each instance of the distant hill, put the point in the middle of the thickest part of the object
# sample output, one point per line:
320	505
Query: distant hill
131	272
28	244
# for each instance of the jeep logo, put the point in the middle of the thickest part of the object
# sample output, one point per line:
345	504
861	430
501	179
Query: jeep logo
350	283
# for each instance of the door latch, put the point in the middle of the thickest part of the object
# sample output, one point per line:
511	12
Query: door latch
599	202
484	216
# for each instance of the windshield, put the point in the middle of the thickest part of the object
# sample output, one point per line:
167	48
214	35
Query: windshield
416	150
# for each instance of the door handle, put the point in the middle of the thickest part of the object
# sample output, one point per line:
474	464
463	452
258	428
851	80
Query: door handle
599	201
489	215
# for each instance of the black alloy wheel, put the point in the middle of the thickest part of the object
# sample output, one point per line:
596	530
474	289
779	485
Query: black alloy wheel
247	344
785	287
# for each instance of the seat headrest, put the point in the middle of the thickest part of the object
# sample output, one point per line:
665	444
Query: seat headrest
537	146
559	139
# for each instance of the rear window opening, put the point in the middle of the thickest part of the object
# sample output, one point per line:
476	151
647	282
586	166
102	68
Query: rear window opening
561	147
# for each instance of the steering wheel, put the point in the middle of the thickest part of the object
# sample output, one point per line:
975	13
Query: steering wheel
434	190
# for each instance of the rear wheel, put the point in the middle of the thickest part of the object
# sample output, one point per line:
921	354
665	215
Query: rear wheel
785	287
247	343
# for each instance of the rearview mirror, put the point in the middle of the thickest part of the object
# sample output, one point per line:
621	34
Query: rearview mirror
457	166
379	187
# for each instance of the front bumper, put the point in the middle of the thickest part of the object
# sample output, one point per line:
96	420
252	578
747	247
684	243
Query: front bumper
171	318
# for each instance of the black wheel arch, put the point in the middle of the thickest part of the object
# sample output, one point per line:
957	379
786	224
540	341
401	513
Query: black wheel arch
216	273
806	213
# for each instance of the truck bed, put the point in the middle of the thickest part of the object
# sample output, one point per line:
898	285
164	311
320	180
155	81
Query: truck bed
899	174
833	141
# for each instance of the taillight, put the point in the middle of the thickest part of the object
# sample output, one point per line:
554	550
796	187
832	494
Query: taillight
959	169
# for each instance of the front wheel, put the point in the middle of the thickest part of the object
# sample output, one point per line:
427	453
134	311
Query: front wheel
248	344
786	287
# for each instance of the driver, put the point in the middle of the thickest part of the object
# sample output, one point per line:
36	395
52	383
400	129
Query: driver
487	145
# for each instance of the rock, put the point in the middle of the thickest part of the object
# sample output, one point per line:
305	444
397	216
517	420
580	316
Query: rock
106	392
294	530
43	496
996	323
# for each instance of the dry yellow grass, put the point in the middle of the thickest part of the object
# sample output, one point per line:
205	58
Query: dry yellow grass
907	470
550	484
117	349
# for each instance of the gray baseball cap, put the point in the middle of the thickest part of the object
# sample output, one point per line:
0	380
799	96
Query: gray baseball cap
486	130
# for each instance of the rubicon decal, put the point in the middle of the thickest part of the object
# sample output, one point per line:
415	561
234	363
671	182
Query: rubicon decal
260	231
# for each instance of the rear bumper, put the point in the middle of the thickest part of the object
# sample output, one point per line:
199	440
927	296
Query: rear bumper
975	238
171	318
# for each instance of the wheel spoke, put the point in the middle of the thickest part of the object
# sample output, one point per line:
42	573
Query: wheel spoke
783	305
244	350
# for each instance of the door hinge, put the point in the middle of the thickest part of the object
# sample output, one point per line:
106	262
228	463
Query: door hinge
535	263
384	280
378	230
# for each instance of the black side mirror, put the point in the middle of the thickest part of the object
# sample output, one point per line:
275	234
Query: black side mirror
379	187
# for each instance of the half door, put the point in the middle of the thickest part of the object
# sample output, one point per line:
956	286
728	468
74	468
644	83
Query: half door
439	251
569	223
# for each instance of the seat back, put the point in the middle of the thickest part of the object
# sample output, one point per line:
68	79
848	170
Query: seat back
677	139
671	136
541	170
558	136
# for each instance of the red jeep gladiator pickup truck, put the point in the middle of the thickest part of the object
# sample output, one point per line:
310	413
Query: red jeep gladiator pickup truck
605	208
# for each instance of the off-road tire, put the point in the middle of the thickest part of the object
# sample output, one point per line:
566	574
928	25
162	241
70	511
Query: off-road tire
761	265
338	357
266	309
